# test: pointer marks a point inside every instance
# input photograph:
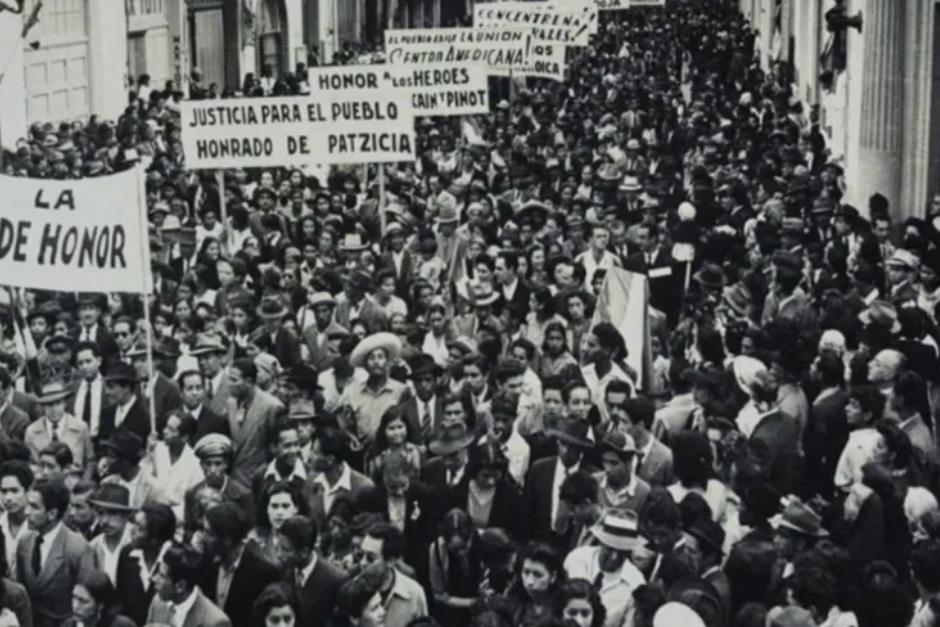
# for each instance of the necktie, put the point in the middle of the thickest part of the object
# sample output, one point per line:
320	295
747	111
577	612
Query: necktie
427	419
209	389
37	555
86	406
55	433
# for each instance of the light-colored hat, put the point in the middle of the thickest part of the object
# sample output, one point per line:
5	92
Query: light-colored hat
675	614
619	530
322	298
389	342
904	259
213	445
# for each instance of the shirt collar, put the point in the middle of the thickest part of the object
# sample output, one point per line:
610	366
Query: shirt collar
297	471
308	569
398	587
344	482
182	609
49	537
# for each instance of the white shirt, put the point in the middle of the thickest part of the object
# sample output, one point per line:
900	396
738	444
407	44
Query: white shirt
615	589
93	388
598	385
297	471
176	478
517	452
304	574
121	413
862	447
12	540
47	539
330	492
146	574
426	411
561	473
108	559
89	334
181	610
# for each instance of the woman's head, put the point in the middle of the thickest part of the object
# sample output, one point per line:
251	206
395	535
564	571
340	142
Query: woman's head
281	501
92	597
488	464
275	607
539	569
580	603
359	600
456	530
555	339
397	473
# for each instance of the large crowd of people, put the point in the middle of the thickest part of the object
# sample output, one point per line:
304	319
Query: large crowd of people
400	409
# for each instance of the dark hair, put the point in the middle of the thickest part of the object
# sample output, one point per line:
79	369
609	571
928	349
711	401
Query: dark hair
160	522
870	399
181	377
281	487
581	589
247	368
332	442
578	487
831	369
692	458
393	541
87	346
925	564
188	424
540	553
884	601
60	452
814	588
274	596
555	326
355	594
101	589
18	469
228	520
910	387
183	563
391	415
487	455
301	531
54	494
510	258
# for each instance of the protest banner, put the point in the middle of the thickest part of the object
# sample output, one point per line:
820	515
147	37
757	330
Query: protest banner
548	60
633	4
356	125
435	89
612	5
623	301
548	22
501	50
85	235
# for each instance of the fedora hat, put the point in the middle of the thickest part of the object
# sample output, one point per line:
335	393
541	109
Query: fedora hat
619	530
710	276
60	342
360	279
207	344
709	533
451	438
608	172
573	432
121	372
389	342
125	444
881	313
112	496
53	392
167	347
630	183
448	215
738	298
620	443
535	210
423	363
271	309
320	299
353	243
303	376
799	517
302	409
483	295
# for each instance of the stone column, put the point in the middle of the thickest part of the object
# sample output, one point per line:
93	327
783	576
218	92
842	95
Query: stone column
12	80
880	137
918	82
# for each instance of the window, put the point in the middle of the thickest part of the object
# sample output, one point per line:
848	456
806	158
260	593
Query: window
64	19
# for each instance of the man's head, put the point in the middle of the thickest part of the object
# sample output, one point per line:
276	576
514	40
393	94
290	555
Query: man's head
152	526
604	343
884	367
618	452
55	459
286	446
640	413
123	331
865	407
510	373
296	541
579	493
329	449
15	481
211	362
81	514
111	502
47	503
179	430
177	574
600	237
193	389
225	527
507	264
578	402
88	360
53	399
242	377
214	452
89	310
383	544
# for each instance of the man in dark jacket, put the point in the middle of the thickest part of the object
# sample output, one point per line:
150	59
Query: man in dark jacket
315	581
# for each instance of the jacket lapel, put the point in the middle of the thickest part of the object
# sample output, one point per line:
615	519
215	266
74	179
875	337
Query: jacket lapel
53	562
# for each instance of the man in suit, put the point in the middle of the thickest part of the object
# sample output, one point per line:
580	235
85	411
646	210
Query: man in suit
51	558
334	477
120	463
635	416
251	416
272	337
215	455
548	520
356	303
211	352
238	573
13	421
286	467
315	581
90	400
515	295
316	335
59	426
657	263
447	473
178	594
192	385
424	410
484	300
90	307
139	562
163	391
127	412
399	260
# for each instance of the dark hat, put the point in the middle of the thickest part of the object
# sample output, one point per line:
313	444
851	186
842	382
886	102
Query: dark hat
112	496
208	343
121	372
303	376
53	392
620	443
423	363
451	438
265	191
801	518
709	533
58	343
360	279
710	276
271	309
640	409
302	410
125	444
91	300
168	347
573	432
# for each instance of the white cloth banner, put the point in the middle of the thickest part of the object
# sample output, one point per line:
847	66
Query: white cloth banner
548	22
435	89
623	301
358	124
548	60
501	50
88	235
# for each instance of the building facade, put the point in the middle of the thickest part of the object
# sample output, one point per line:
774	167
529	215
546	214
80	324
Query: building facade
881	115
